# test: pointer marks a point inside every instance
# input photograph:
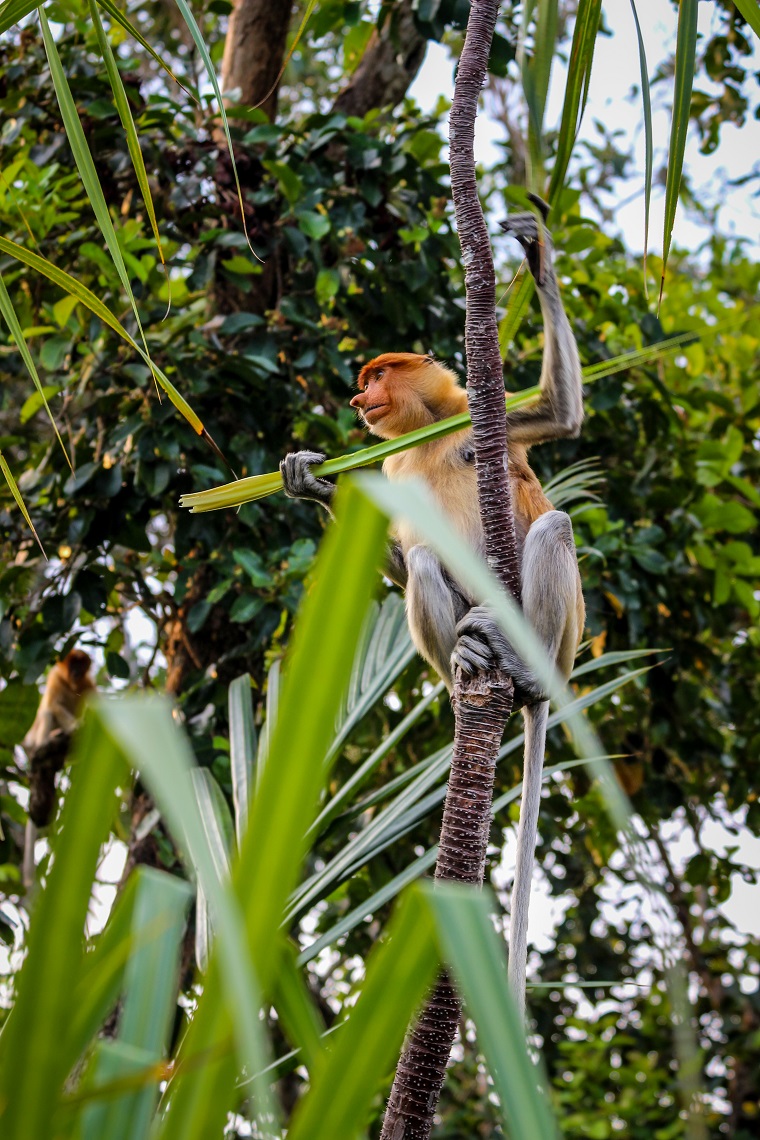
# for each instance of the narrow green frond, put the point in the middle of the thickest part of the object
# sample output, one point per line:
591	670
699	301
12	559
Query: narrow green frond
646	101
203	52
686	51
13	485
6	308
128	123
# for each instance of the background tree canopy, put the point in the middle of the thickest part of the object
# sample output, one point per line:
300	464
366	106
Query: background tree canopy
347	206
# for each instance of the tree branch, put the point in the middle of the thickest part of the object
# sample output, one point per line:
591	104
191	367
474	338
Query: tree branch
390	63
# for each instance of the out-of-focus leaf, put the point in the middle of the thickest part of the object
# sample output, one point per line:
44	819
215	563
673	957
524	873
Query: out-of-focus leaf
286	797
296	1009
242	749
474	952
147	734
36	1046
346	1079
148	1003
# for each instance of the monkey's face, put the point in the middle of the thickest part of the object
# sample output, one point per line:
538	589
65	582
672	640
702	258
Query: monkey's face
374	401
78	664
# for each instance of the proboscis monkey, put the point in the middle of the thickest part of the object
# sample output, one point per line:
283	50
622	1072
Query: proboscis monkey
399	392
46	742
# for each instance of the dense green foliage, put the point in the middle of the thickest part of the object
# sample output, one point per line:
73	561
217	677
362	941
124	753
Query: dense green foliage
352	221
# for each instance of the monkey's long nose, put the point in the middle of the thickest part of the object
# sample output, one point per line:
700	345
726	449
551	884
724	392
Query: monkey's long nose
359	400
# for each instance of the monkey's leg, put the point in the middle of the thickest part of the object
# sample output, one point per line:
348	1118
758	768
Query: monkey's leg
430	607
552	603
299	483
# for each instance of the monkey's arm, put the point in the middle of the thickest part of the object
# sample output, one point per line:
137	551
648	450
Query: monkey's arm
560	411
298	482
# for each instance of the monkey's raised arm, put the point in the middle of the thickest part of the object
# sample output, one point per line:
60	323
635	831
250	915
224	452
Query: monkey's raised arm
560	412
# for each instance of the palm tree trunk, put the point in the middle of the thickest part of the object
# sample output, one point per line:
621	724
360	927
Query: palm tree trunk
482	704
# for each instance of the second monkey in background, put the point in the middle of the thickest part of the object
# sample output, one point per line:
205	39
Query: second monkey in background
400	392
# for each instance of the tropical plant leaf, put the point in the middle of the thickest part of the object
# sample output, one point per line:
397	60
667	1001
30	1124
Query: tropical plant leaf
285	801
86	168
361	1054
474	952
335	805
75	289
750	9
686	50
296	1009
9	314
127	122
574	482
220	834
119	17
37	1046
261	486
270	720
646	106
578	73
147	1009
13	487
242	749
203	52
14	10
536	71
146	733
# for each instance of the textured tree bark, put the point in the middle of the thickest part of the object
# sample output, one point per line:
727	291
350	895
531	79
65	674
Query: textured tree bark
390	62
482	704
254	50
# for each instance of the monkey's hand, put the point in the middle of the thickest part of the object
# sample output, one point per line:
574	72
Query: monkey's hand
481	645
536	242
298	481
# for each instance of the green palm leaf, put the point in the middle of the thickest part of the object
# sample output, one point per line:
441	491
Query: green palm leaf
686	50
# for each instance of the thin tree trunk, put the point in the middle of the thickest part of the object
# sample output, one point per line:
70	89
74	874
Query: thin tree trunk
482	704
254	49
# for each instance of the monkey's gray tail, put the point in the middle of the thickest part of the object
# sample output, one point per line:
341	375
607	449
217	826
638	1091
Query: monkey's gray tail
535	717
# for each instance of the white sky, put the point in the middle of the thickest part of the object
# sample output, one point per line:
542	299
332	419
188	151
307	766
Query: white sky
615	73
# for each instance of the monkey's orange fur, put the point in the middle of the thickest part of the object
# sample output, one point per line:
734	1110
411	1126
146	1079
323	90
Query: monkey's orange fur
402	391
67	685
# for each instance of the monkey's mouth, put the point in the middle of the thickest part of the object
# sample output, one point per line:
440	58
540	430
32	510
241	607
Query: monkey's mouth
366	412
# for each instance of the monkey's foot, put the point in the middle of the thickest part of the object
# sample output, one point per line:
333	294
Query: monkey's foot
298	481
536	243
481	645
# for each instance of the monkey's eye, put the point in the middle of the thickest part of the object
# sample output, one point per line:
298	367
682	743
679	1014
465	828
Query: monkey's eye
468	455
380	373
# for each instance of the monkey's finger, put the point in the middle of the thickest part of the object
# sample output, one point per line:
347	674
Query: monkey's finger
471	655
